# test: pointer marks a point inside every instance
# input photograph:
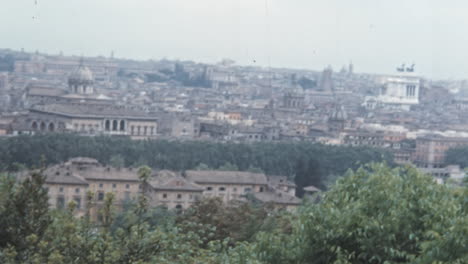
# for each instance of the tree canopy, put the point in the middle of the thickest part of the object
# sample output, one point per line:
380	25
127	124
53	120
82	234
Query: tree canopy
318	161
375	214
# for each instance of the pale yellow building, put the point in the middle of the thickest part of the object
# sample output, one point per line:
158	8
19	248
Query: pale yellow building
170	190
72	180
228	185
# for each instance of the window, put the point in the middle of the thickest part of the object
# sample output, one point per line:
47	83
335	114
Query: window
209	188
114	185
60	202
127	186
178	207
100	196
77	190
164	195
179	196
261	189
78	202
247	190
101	185
127	195
61	189
234	189
222	189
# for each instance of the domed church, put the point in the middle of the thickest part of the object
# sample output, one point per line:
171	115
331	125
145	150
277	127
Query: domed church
81	80
84	112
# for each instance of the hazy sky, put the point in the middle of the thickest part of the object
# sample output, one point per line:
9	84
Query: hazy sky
376	35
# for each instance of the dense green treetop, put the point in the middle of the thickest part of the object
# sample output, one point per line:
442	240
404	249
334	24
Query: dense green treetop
375	214
290	158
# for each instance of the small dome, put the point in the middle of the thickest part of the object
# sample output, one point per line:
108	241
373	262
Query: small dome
82	74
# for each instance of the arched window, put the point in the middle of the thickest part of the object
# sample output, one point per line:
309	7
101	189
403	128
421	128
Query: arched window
107	125
34	125
115	125
122	125
51	127
43	126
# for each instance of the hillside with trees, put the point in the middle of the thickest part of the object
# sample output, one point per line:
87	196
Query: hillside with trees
374	214
307	163
457	156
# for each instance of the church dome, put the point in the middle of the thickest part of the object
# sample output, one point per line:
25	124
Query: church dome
82	74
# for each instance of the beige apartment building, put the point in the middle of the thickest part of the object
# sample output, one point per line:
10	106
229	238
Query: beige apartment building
171	191
228	185
72	180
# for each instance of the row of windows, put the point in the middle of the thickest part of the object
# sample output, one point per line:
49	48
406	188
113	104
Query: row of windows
60	204
115	125
101	185
43	126
411	90
114	185
77	190
101	195
179	196
86	127
142	130
222	189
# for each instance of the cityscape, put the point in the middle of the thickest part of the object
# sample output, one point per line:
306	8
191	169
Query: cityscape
233	132
414	118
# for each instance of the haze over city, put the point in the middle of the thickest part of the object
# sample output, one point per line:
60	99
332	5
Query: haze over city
376	36
233	131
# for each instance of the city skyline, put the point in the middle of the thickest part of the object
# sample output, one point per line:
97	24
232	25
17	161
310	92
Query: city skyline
376	37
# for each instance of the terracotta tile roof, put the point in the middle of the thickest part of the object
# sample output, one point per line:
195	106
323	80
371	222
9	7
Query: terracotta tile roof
92	110
175	183
226	177
277	197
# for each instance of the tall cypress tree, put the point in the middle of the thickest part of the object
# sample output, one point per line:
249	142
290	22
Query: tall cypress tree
24	215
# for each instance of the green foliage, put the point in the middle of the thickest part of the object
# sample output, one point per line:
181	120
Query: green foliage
202	167
375	214
271	158
117	161
458	156
24	215
228	167
236	221
307	83
7	63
